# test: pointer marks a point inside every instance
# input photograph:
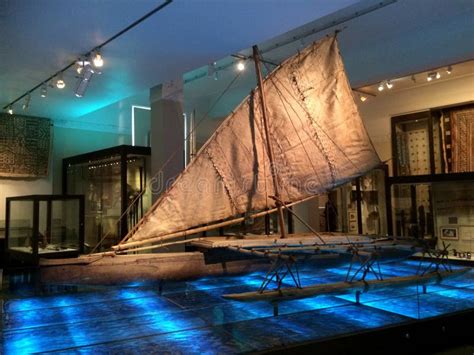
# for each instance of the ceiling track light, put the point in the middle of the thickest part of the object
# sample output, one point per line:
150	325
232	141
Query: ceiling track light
362	97
433	75
84	80
80	64
10	110
93	50
44	90
240	65
97	60
26	105
449	70
381	86
60	83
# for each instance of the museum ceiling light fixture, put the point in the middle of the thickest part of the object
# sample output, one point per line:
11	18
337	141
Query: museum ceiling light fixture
241	65
84	80
44	90
94	53
98	60
389	84
449	70
381	86
10	110
60	83
433	75
80	64
26	104
363	98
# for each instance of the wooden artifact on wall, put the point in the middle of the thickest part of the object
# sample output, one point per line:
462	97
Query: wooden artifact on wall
24	146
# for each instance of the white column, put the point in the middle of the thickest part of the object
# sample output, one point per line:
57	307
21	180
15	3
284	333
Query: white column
167	137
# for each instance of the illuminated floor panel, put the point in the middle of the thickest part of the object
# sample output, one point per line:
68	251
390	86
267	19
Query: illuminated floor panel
192	317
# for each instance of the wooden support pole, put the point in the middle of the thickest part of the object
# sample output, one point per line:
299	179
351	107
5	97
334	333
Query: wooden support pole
167	237
281	220
300	219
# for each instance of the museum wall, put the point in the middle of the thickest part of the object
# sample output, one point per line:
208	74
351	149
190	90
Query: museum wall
377	112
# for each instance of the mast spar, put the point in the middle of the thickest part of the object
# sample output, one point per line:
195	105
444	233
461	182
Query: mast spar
281	221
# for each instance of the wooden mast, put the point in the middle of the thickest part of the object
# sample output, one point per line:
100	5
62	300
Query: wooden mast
281	220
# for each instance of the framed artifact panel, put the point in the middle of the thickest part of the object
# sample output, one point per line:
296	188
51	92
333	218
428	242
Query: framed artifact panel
412	140
449	233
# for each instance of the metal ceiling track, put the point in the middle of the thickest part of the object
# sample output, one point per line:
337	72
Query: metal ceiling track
98	47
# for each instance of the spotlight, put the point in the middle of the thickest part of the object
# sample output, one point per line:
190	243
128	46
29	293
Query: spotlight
80	64
212	69
60	84
363	98
44	91
26	105
98	61
449	70
84	80
10	110
389	84
241	65
381	87
433	75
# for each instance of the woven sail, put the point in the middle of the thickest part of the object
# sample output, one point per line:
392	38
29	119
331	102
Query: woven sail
318	140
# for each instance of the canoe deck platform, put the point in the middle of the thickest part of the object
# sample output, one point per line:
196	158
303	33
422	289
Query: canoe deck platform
300	239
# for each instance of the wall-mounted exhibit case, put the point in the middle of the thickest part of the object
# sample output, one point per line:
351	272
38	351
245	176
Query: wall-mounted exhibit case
45	226
433	185
113	182
437	141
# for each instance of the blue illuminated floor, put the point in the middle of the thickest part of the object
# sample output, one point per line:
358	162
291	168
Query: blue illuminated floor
192	317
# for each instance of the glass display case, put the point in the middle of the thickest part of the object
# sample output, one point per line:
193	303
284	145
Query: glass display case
454	217
357	207
438	141
412	141
113	181
440	211
412	208
44	226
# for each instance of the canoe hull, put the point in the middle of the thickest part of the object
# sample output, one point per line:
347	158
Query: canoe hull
123	269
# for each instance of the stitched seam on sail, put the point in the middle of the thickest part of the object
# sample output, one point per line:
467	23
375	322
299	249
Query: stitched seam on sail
285	103
221	175
318	141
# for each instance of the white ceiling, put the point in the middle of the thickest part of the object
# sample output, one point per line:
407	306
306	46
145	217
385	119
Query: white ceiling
405	37
39	37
